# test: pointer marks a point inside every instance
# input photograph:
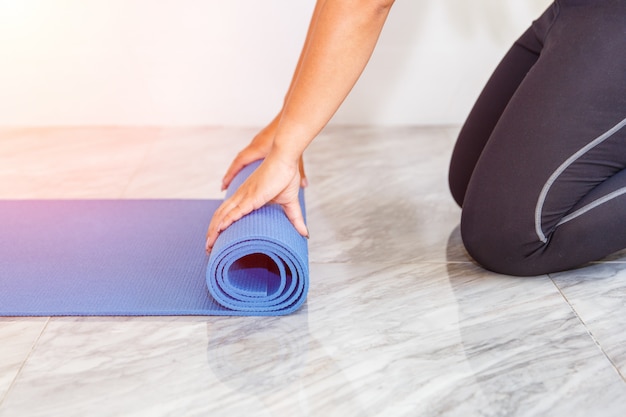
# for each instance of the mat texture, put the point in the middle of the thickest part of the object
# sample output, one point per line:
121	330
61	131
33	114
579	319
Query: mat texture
146	257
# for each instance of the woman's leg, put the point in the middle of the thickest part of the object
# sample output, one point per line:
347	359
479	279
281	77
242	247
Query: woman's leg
548	191
488	109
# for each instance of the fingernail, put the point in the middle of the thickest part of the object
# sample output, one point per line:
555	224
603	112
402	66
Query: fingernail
305	182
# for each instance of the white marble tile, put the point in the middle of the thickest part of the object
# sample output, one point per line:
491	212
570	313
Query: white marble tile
392	340
188	163
107	367
380	194
597	294
70	162
341	150
398	322
17	338
461	341
394	216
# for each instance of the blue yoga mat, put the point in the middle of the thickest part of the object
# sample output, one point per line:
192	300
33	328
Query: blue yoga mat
146	257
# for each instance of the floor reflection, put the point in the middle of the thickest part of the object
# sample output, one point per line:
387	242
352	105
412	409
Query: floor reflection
278	362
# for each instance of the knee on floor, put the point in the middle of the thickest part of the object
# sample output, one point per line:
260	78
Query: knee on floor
502	249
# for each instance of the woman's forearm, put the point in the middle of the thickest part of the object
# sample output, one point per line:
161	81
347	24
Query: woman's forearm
340	41
319	4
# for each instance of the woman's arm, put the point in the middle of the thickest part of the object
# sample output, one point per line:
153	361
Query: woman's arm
262	142
340	43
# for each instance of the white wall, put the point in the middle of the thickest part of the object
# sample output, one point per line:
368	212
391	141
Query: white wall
229	62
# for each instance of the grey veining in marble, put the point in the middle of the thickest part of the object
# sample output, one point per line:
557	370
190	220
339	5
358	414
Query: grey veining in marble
17	338
598	295
399	321
380	195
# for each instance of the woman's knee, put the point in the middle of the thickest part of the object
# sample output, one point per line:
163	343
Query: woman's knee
500	245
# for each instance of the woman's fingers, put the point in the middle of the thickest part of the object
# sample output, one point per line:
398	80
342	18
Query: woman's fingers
257	149
271	178
229	212
245	157
215	227
293	211
235	208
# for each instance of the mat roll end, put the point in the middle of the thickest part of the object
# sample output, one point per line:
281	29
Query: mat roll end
259	265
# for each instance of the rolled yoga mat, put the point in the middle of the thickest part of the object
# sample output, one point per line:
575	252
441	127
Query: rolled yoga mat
145	258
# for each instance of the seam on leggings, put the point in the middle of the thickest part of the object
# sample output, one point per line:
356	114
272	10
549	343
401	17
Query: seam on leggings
552	179
592	205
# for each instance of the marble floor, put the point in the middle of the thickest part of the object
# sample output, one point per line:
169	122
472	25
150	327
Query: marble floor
398	321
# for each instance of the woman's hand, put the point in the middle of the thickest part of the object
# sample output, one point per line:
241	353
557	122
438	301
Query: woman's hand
276	180
341	38
257	149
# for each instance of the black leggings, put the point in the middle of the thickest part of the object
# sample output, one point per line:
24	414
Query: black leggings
539	166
